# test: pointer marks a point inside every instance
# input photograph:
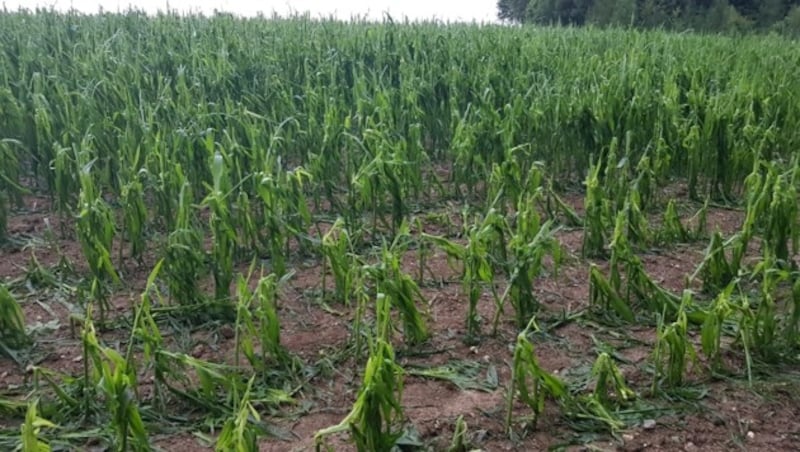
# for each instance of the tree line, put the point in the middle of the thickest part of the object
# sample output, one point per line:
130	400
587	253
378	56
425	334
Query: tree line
707	15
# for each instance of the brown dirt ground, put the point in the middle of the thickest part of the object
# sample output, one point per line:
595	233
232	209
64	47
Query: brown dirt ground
730	415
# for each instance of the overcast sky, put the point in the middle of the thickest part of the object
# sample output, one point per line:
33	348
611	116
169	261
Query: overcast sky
447	10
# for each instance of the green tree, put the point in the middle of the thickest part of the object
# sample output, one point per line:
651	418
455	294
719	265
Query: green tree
791	23
612	12
512	10
565	12
771	12
722	16
710	15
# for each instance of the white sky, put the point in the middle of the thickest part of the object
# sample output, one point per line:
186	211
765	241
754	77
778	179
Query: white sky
446	10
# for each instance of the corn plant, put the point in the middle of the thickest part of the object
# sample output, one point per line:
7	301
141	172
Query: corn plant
238	434
530	242
638	229
672	230
673	350
529	381
168	180
337	250
790	331
359	330
400	288
477	271
96	230
285	213
720	311
12	324
766	327
604	296
145	330
260	323
184	262
31	429
246	219
656	298
617	172
510	180
780	221
378	176
596	220
621	251
459	442
215	386
66	181
555	205
468	164
10	189
599	406
609	379
135	217
610	294
717	271
222	230
117	384
377	411
644	184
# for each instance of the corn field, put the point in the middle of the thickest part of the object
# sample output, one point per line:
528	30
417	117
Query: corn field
278	233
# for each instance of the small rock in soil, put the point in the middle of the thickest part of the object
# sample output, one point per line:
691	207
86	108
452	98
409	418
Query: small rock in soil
226	331
479	436
649	424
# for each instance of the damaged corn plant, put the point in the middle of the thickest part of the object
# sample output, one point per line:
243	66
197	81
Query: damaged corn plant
232	198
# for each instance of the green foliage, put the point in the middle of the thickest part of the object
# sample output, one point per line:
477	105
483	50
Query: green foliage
674	350
258	326
529	382
222	227
612	12
715	15
459	441
608	377
106	369
672	230
32	427
184	260
400	289
135	217
790	24
12	324
377	411
477	270
238	433
603	295
719	312
531	240
338	255
96	230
